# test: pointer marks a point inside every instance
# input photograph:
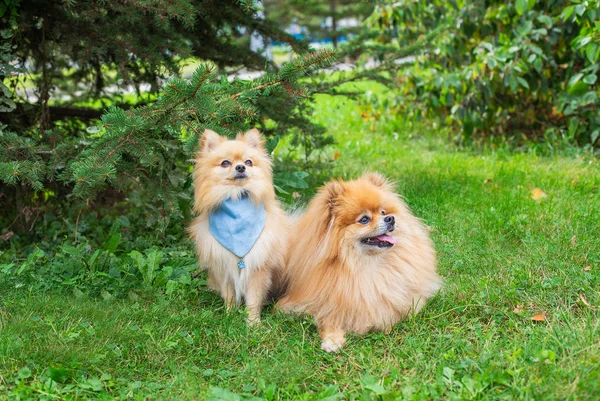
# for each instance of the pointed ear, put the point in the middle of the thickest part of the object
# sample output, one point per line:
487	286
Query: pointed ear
333	190
322	207
253	138
210	140
377	180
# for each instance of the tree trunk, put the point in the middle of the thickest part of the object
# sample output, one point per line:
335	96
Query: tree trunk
334	38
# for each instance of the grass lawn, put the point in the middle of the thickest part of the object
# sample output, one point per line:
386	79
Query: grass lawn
504	256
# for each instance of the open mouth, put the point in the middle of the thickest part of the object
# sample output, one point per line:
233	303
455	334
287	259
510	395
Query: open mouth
380	241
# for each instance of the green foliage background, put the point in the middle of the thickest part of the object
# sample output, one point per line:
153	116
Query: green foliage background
524	69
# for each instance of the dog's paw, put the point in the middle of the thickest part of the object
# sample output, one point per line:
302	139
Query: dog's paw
332	344
253	321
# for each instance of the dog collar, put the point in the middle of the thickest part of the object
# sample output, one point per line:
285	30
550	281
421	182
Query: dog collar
237	224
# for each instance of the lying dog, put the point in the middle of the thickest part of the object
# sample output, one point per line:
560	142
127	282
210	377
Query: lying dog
358	260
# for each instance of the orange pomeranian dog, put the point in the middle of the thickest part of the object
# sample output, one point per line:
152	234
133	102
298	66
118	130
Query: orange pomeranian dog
359	261
240	230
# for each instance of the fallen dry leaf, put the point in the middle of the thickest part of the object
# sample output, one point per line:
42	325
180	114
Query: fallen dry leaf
518	309
573	241
336	155
587	268
296	195
537	194
538	318
488	180
582	297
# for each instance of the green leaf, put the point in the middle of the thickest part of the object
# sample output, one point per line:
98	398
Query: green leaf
154	259
331	393
24	373
113	242
594	136
567	12
139	259
590	79
71	250
92	384
578	89
370	383
272	143
280	190
93	258
219	394
524	5
575	78
293	180
523	83
592	52
573	126
513	83
171	287
107	296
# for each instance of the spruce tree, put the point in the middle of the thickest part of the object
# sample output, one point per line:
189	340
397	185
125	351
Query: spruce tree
50	161
74	51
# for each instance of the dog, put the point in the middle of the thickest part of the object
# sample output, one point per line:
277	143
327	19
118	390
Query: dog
240	231
358	260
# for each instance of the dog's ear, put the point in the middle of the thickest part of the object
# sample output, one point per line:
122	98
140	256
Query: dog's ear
253	138
210	140
378	180
334	190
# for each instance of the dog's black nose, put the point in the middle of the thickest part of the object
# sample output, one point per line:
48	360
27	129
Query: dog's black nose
389	219
240	168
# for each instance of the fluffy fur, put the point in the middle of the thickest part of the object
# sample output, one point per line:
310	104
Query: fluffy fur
214	183
337	273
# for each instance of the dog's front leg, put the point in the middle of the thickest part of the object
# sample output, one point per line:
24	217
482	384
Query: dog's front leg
259	284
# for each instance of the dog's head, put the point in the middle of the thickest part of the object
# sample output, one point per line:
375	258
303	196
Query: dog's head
229	168
362	214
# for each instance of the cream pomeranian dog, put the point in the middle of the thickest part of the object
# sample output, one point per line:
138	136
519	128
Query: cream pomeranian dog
359	260
240	230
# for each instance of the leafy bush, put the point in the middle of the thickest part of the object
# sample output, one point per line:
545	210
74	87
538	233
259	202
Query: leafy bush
114	257
523	68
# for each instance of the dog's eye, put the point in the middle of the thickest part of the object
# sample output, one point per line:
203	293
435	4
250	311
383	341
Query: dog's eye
383	212
364	220
225	163
248	162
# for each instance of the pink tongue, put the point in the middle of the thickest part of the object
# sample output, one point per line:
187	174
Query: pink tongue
387	238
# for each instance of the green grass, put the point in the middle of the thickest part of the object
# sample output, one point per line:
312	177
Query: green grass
504	257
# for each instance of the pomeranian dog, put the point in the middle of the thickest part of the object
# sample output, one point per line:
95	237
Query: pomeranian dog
240	230
359	260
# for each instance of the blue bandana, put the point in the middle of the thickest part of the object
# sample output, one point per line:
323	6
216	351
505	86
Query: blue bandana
237	224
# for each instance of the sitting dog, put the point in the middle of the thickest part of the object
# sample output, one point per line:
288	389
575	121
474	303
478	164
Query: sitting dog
240	230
